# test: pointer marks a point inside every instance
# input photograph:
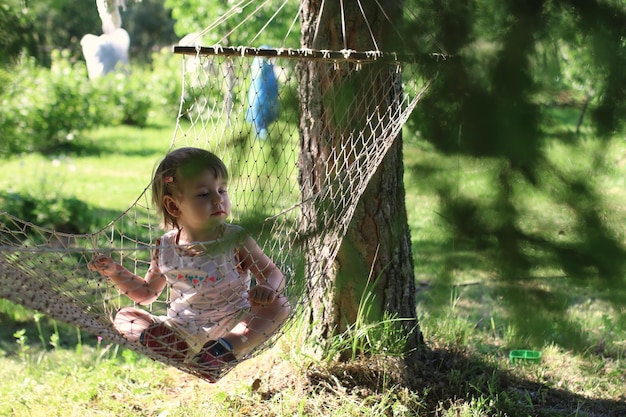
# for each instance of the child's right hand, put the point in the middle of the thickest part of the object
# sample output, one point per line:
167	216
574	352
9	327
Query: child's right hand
104	265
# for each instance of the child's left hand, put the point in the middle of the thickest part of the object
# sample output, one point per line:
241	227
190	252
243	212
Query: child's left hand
262	294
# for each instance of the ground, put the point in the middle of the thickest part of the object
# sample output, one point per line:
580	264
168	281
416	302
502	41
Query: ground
431	383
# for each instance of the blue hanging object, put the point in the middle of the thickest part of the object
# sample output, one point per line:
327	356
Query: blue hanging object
263	96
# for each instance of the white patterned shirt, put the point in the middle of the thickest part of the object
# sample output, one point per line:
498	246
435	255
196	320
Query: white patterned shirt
209	287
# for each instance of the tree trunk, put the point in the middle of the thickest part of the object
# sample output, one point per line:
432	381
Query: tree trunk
374	261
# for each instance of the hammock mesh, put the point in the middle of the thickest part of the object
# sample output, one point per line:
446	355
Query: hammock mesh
243	104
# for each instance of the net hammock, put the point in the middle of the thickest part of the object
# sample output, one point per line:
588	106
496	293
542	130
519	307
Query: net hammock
243	104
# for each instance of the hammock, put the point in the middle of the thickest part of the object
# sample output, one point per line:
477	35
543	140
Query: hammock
251	116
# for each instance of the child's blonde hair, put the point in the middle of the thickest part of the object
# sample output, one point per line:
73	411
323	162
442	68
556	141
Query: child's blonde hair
181	165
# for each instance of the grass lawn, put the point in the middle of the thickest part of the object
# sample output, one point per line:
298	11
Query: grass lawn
109	171
50	369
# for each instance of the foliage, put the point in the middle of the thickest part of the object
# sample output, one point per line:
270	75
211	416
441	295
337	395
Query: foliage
56	24
229	27
150	27
43	26
500	55
47	110
5	79
16	33
165	83
43	109
122	98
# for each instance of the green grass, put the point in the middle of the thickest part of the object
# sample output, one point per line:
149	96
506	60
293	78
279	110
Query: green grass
577	324
462	307
112	168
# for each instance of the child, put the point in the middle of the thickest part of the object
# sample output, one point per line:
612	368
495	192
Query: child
214	316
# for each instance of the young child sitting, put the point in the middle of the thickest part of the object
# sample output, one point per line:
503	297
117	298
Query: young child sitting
215	316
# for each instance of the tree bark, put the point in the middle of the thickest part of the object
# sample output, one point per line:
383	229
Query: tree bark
374	261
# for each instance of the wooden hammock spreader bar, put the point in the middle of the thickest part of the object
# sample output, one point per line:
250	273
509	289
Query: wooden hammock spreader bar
312	54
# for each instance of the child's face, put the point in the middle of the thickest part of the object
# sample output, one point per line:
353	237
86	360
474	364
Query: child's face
204	201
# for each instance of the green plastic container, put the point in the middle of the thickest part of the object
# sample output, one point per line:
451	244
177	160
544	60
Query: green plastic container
525	356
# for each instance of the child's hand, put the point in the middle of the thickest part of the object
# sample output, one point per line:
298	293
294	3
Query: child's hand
104	265
262	294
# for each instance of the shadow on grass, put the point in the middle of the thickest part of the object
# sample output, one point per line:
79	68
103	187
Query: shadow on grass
536	311
442	379
542	247
447	377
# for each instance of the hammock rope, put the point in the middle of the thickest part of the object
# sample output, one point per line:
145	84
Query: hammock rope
298	224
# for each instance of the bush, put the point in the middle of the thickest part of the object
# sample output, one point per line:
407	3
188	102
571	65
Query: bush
165	81
54	212
122	98
167	88
17	32
42	109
